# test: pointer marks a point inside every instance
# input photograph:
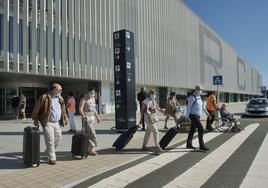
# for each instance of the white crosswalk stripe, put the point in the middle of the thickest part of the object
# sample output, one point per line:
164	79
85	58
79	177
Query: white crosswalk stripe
204	169
257	175
132	174
198	174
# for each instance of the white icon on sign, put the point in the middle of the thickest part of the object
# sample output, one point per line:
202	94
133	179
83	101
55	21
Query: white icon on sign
117	51
128	35
117	81
117	57
128	78
118	106
128	48
116	36
128	65
118	93
117	68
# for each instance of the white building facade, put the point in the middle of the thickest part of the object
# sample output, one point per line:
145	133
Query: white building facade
70	42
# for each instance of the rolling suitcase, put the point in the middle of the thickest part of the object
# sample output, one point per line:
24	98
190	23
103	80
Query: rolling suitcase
31	146
80	143
168	137
124	138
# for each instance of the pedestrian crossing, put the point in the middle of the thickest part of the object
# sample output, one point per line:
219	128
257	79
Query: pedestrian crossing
259	168
198	174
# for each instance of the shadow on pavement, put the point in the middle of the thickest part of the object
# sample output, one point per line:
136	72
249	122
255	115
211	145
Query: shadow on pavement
111	151
11	161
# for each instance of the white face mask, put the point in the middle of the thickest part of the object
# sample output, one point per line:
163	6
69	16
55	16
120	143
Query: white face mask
57	94
152	96
92	95
198	92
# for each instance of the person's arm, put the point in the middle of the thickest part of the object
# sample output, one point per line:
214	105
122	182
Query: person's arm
97	116
81	108
159	109
35	112
214	103
177	103
205	110
191	101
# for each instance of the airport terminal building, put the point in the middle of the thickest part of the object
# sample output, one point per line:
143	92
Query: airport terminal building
71	42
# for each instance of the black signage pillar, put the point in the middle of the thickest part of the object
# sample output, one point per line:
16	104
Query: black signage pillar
124	79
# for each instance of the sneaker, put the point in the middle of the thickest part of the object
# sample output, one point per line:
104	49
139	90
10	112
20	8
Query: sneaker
144	148
188	146
204	148
159	150
143	129
52	162
92	152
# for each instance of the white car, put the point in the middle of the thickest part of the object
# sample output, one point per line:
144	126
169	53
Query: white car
257	107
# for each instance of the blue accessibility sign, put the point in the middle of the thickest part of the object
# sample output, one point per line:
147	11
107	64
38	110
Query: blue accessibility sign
217	80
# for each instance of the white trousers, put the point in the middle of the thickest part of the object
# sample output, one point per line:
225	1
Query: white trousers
71	120
151	128
52	135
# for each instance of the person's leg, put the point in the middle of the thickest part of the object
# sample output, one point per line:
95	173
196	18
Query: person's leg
200	133
92	139
155	135
57	134
210	121
147	133
71	119
50	141
191	132
166	119
143	123
142	120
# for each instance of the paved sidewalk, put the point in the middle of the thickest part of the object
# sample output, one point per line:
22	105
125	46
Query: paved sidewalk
70	171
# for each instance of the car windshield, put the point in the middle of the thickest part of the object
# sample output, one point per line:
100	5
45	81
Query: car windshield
258	101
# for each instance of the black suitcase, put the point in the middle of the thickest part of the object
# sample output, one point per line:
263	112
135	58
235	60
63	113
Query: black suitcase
31	146
124	138
168	137
80	143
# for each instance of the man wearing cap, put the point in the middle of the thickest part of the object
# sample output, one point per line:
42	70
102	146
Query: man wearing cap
194	111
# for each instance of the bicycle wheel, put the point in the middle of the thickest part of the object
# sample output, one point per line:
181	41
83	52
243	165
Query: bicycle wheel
223	124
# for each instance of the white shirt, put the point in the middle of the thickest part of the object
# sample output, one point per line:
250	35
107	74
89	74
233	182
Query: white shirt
150	103
55	113
195	106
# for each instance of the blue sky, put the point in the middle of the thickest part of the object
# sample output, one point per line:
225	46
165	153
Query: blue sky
243	24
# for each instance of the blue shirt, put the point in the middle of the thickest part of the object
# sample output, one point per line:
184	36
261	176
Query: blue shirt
55	109
197	107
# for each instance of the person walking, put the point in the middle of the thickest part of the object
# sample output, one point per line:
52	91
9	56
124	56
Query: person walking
142	95
171	108
22	106
15	102
50	112
194	110
71	112
149	107
212	108
87	109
